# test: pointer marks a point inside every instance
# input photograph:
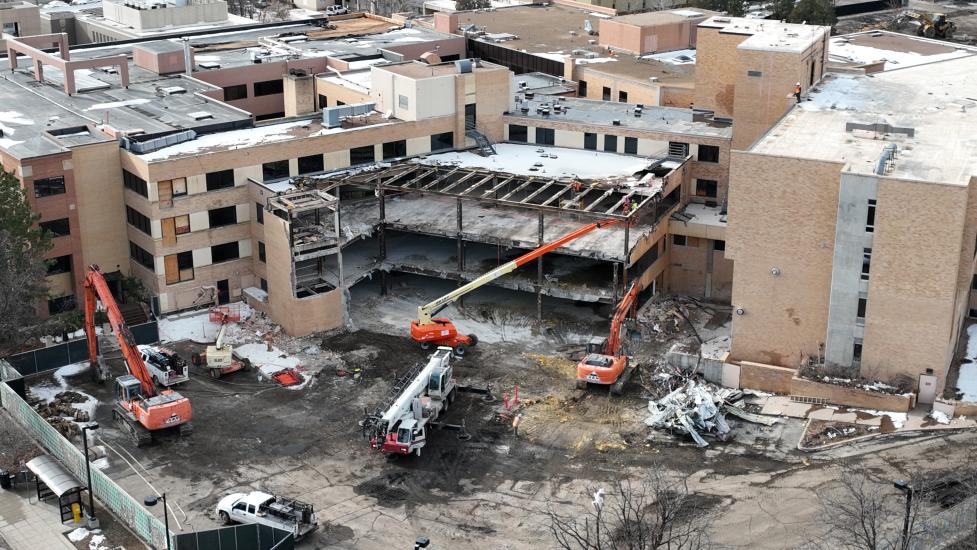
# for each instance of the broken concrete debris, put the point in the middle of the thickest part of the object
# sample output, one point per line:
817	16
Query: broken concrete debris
62	414
697	408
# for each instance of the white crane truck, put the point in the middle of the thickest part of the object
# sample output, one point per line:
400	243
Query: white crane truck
418	399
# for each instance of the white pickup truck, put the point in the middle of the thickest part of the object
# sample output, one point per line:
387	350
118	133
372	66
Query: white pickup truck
286	514
165	365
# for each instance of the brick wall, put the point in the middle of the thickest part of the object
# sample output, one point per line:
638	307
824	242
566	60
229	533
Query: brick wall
851	397
765	377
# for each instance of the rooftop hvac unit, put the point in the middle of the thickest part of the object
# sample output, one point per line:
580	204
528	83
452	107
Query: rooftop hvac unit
523	84
332	117
616	122
173	90
588	27
464	66
150	145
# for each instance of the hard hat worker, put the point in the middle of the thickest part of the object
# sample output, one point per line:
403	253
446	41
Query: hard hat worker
797	92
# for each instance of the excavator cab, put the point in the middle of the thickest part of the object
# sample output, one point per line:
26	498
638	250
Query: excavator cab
597	344
128	388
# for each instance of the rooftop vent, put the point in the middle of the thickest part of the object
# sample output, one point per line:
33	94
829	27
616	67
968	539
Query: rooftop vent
173	90
209	65
616	122
333	116
464	65
722	19
150	145
200	115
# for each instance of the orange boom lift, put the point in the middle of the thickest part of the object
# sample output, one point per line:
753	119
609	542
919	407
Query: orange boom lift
437	331
605	361
140	409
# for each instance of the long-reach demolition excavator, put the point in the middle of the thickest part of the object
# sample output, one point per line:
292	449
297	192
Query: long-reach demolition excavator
606	362
140	409
432	331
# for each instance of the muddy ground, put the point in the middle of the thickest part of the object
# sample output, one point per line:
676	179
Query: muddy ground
494	490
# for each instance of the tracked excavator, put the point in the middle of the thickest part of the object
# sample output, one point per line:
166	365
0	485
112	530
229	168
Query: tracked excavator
140	408
432	331
606	362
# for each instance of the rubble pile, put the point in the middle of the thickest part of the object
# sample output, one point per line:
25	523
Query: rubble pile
62	414
698	409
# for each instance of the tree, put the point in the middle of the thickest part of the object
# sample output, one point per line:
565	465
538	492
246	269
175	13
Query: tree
814	12
781	9
736	8
468	5
22	264
657	512
862	514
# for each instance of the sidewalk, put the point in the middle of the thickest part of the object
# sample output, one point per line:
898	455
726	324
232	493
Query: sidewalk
31	525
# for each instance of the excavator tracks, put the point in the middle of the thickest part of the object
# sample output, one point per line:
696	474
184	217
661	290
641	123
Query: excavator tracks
140	436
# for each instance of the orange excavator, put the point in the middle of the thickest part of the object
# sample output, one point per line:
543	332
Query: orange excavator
140	408
432	331
605	363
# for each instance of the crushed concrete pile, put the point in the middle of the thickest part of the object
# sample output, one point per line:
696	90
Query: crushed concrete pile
699	409
62	414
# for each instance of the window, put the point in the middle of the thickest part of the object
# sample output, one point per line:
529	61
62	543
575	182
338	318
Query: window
135	183
141	257
233	93
323	101
268	87
856	355
12	28
57	228
402	101
582	88
137	220
261	251
706	188
340	103
870	217
719	245
361	155
269	116
866	262
181	224
274	170
590	141
630	146
225	252
259	213
519	133
754	73
622	97
610	144
263	284
606	94
447	140
61	304
678	240
545	136
471	115
678	149
862	304
61	264
220	217
168	189
708	153
179	267
220	180
394	149
45	187
973	283
311	164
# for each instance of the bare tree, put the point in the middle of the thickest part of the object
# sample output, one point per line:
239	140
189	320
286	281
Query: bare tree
865	514
657	512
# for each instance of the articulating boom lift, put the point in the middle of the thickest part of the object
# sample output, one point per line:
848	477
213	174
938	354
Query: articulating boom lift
605	362
438	331
140	408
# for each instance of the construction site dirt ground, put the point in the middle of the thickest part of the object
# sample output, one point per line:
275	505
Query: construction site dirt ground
494	490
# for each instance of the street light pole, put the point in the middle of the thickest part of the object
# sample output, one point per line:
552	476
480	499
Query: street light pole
904	486
151	501
92	521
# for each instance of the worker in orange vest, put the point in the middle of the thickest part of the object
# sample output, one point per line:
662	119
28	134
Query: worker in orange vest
797	91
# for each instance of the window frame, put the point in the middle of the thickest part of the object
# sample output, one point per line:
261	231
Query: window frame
236	245
264	88
49	187
54	227
221	179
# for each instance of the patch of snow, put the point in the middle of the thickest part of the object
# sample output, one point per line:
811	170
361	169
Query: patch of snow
73	369
46	392
558	162
101	463
237	139
898	419
967	378
13	117
78	534
836	93
268	362
842	49
114	104
599	15
940	417
555	56
196	326
678	57
206	58
96	543
588	61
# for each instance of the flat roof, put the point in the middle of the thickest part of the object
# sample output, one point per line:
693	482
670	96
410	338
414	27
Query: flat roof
934	100
896	50
768	35
604	113
664	17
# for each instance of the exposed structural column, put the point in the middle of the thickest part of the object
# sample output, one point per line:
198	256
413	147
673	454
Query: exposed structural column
339	256
539	273
382	237
461	251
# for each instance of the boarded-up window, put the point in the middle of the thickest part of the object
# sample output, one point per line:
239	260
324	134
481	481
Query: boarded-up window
179	186
168	226
179	267
165	189
182	224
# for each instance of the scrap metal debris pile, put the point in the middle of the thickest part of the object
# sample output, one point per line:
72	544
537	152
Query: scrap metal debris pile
698	409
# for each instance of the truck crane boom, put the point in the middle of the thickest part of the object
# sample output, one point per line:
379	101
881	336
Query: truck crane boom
431	331
604	362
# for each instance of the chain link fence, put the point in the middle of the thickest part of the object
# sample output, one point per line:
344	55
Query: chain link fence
948	526
125	508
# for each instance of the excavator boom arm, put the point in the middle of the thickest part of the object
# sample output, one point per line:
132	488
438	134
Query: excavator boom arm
97	289
425	312
623	309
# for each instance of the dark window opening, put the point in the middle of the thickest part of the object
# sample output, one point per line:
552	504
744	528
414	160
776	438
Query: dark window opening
870	217
261	251
708	153
259	213
471	116
582	88
518	132
394	149
719	245
622	97
269	116
590	141
323	102
630	146
866	263
361	155
311	164
61	304
135	183
856	355
222	216
606	94
137	220
141	257
862	304
57	228
235	92
678	240
610	144
220	180
754	73
706	188
263	284
269	87
224	252
545	136
440	142
45	187
340	103
274	170
61	264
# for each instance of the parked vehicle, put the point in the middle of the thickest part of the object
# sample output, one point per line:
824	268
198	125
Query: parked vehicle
336	10
165	366
260	508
